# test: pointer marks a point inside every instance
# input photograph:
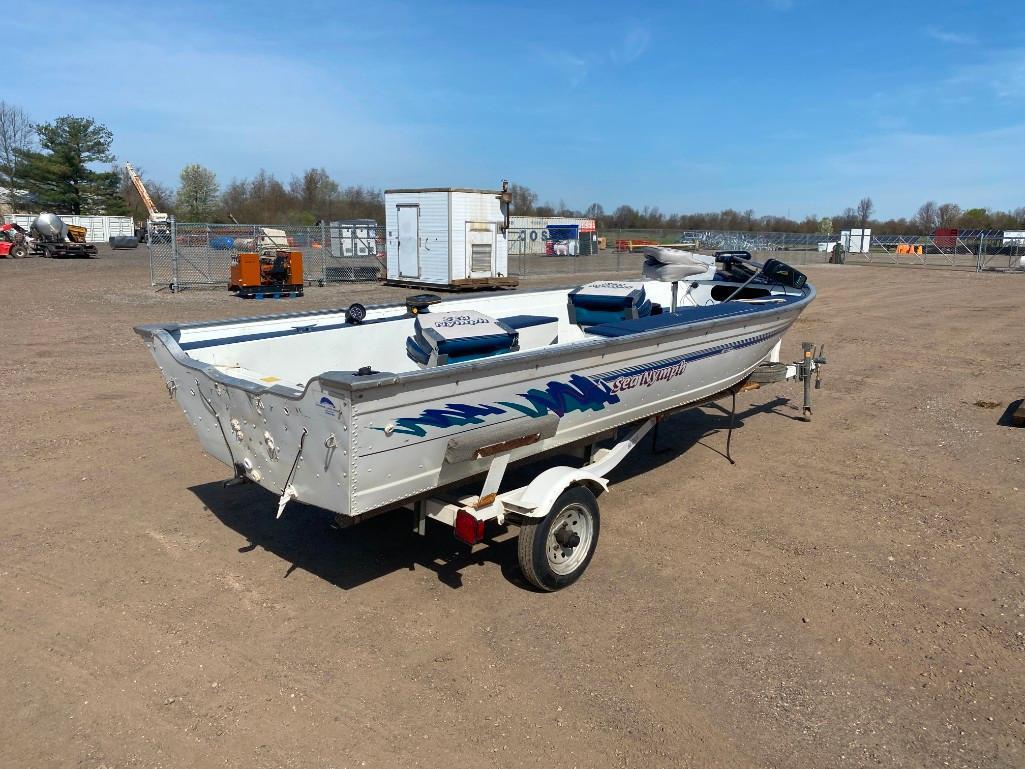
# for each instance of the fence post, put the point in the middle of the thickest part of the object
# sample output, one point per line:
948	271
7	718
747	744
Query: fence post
324	247
174	256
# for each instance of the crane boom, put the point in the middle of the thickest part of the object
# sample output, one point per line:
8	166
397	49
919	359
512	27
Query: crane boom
147	201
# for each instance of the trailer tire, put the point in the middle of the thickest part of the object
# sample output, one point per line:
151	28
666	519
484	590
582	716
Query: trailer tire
547	559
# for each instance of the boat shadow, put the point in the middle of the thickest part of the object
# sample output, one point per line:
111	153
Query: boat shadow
307	538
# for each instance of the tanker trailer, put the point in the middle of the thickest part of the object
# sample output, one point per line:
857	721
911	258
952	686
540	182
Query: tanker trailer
57	240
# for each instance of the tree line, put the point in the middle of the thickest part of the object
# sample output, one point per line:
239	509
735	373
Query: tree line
929	217
52	167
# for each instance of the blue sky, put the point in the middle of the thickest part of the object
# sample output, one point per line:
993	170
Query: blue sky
783	106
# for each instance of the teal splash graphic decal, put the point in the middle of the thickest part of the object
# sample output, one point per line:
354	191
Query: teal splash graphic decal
581	394
453	415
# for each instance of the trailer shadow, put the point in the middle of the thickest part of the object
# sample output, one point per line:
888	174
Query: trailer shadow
1007	418
307	538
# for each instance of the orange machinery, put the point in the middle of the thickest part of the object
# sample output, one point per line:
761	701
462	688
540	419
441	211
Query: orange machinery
271	274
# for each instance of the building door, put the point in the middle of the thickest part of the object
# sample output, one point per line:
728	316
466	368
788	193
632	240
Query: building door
409	241
480	249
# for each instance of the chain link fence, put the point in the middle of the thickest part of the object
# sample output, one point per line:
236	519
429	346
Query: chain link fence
189	254
192	254
622	250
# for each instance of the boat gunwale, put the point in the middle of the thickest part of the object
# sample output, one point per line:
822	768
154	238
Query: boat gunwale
348	380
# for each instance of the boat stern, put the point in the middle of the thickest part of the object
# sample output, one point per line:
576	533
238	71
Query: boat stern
294	444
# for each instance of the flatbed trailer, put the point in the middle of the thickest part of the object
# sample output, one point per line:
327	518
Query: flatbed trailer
66	250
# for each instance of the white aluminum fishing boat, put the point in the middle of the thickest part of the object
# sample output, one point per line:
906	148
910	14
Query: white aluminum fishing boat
366	410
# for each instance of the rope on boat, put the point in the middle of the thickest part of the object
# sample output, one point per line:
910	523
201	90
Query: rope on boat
288	491
213	411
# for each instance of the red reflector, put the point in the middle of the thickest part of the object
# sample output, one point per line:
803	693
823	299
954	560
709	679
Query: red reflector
468	529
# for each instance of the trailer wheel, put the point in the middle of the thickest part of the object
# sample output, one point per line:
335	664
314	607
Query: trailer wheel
554	552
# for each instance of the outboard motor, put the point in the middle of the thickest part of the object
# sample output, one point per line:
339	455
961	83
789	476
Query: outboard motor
782	274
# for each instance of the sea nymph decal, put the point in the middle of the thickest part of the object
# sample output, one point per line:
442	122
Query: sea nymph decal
581	393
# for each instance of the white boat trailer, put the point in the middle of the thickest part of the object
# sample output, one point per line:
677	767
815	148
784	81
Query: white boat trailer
557	511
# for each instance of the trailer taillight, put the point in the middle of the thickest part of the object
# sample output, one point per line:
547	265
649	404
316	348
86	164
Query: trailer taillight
467	528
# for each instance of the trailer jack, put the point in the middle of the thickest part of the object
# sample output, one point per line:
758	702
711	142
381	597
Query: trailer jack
807	370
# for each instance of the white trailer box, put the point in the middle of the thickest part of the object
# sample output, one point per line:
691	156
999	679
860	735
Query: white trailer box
1014	238
447	238
99	229
352	238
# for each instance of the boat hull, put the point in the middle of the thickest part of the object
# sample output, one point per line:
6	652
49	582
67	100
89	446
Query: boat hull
360	444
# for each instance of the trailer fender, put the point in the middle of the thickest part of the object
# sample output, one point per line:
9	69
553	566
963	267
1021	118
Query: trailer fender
537	498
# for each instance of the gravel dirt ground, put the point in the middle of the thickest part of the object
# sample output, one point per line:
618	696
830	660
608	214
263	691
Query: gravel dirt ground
849	594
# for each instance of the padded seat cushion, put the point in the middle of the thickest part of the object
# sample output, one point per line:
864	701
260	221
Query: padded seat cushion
607	301
527	321
670	264
458	335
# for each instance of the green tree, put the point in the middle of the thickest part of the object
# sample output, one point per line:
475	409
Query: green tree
197	194
975	219
59	177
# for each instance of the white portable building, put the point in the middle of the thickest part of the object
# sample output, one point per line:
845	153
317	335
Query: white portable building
856	240
447	237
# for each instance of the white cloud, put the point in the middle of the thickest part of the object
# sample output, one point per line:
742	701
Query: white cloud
633	45
901	169
570	67
947	36
1002	74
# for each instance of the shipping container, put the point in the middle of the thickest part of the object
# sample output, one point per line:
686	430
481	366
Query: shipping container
529	234
945	237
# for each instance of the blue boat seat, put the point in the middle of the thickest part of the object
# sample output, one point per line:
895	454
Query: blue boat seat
526	321
606	301
458	335
682	317
535	331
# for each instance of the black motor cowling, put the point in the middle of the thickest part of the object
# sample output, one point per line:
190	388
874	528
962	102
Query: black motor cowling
782	274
